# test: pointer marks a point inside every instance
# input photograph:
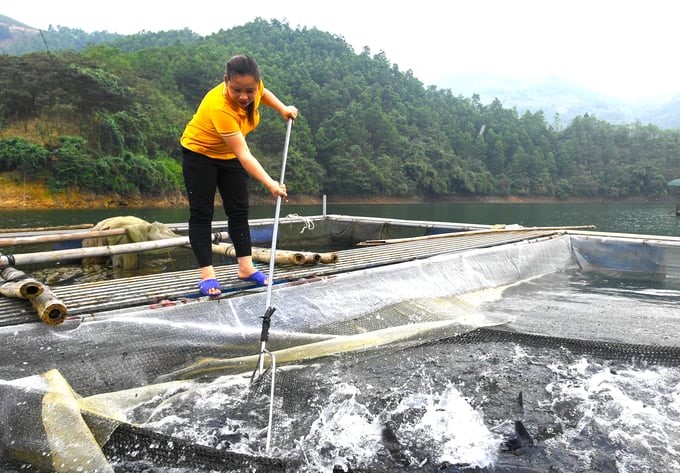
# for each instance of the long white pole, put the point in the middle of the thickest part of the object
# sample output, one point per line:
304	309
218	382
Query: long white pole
275	233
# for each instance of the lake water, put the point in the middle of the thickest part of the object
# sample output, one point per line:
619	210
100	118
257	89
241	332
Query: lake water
639	218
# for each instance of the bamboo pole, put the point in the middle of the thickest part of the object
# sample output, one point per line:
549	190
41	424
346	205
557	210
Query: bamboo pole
18	284
45	229
498	229
26	240
312	258
24	288
96	251
328	258
263	255
50	309
12	274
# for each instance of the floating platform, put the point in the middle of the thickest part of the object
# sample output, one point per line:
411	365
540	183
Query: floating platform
385	242
366	241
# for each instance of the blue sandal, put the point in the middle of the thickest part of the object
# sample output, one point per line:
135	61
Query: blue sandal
207	284
258	277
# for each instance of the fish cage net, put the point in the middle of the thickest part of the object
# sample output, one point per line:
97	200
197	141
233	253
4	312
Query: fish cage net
137	389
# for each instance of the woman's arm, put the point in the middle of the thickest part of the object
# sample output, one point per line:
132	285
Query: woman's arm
286	111
238	145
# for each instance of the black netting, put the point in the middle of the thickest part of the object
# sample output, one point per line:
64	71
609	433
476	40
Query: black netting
136	449
628	352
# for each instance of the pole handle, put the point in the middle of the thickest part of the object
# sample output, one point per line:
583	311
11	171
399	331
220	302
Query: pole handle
289	125
266	322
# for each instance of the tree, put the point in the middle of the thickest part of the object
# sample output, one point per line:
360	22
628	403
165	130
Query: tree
20	154
365	126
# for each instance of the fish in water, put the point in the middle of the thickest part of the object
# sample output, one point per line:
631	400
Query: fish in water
520	441
392	444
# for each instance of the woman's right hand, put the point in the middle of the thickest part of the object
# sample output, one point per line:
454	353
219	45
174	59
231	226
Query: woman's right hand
277	189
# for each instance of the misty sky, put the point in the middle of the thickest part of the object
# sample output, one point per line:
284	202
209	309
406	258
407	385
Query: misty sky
625	49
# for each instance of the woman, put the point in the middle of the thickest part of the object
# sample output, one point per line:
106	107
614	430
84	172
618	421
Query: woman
216	156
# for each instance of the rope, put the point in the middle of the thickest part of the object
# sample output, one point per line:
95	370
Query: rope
309	224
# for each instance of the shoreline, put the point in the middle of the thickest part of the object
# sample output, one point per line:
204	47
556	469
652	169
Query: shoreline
116	203
36	196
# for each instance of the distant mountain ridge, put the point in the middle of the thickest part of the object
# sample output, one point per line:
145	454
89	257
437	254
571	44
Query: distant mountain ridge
17	38
12	31
556	96
553	96
13	24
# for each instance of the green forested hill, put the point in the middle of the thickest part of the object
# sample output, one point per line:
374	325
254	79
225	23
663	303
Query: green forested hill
109	117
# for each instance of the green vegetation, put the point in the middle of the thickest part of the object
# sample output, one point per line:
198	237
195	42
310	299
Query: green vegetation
108	118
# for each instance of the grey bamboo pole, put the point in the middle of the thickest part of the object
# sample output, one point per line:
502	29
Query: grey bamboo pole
27	240
44	229
95	252
498	229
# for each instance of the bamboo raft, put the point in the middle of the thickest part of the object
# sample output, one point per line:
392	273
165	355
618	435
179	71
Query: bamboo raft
84	300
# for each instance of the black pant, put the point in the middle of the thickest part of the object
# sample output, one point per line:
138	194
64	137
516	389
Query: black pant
202	177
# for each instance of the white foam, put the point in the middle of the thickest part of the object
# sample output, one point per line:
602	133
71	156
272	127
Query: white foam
636	411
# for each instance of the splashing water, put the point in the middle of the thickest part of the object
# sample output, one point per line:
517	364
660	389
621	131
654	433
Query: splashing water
633	413
438	427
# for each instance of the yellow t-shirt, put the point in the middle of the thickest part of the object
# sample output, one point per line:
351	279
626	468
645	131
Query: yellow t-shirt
217	115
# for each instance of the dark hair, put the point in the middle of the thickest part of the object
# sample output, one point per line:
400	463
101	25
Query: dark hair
244	65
